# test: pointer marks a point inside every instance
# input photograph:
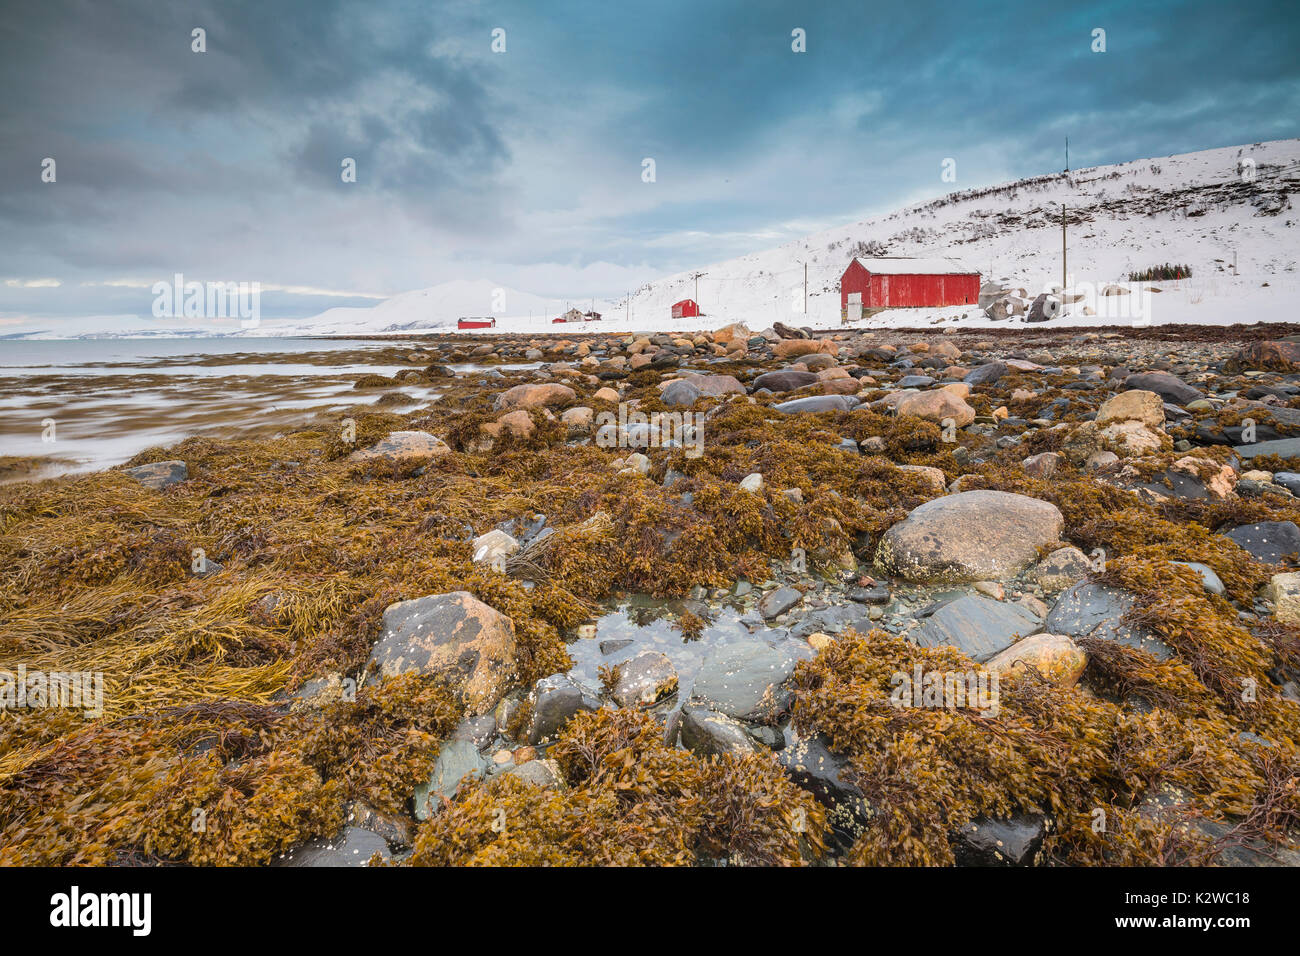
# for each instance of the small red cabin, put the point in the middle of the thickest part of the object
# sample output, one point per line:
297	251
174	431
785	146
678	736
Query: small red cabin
887	282
486	323
685	309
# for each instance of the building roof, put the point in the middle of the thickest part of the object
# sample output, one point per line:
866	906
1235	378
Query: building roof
904	266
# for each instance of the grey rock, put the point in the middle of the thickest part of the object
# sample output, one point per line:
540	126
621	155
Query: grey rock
159	475
776	603
1096	610
555	700
353	847
977	626
1267	541
708	733
457	760
817	403
744	680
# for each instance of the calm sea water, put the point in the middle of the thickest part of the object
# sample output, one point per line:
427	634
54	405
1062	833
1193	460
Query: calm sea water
111	398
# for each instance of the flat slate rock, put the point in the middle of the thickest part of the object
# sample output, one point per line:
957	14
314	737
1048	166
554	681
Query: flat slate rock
160	474
977	626
353	847
1096	610
776	603
1282	447
1268	541
744	680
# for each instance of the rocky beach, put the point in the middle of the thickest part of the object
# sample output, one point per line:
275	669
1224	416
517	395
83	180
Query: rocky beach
741	597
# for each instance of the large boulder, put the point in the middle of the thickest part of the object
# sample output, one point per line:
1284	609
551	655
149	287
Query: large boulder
971	536
938	405
785	380
1275	356
455	636
1135	405
399	446
1169	387
977	626
548	395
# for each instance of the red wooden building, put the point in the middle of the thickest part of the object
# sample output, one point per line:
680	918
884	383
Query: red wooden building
898	283
685	309
478	323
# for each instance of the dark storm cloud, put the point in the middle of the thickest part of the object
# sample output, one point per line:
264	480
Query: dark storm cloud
226	165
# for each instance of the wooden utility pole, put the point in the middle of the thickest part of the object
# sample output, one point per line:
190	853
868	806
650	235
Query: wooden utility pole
805	291
1067	154
1063	269
696	277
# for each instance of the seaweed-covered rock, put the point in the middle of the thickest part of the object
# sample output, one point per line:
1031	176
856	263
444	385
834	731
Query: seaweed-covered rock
970	536
992	842
708	733
645	679
554	700
453	635
1097	611
159	474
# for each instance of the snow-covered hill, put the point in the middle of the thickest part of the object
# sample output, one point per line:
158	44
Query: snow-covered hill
1207	209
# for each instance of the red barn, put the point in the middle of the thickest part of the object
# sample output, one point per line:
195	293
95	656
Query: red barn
685	309
483	323
899	283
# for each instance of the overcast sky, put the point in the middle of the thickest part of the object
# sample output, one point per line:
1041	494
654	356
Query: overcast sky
525	167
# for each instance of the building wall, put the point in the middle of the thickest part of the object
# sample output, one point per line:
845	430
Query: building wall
907	291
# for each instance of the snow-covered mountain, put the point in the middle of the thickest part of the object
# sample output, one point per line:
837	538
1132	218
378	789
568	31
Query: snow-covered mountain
1227	213
437	307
